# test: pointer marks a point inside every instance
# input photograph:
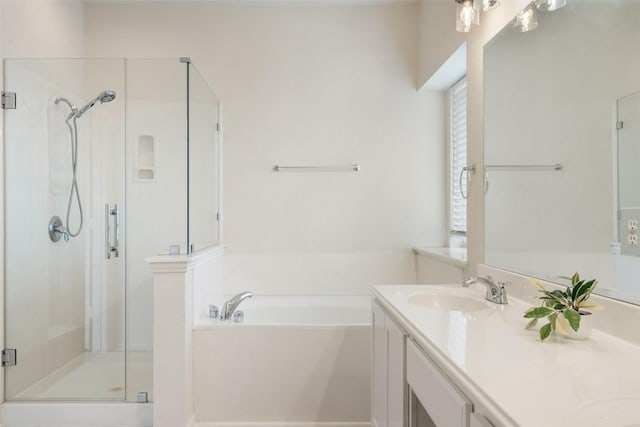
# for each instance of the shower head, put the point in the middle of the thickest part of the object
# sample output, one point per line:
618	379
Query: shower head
106	96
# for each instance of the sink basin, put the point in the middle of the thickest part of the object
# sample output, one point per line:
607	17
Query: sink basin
447	302
611	412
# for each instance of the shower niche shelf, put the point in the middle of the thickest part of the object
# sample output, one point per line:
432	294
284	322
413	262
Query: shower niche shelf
146	159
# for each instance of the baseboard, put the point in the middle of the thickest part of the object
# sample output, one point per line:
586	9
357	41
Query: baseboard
50	414
285	424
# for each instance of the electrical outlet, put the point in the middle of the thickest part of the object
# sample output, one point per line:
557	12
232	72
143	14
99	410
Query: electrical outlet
632	239
632	224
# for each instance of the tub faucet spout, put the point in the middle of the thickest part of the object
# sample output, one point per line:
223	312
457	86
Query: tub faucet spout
231	305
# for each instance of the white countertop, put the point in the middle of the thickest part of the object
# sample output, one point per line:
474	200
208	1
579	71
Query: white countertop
506	369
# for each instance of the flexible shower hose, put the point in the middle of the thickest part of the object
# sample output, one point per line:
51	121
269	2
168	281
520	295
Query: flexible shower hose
73	133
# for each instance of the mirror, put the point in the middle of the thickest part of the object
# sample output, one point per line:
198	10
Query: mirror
562	146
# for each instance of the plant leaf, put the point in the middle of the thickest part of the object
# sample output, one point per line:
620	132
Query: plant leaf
583	289
538	312
538	285
573	317
562	326
558	294
531	323
575	279
552	320
590	305
545	331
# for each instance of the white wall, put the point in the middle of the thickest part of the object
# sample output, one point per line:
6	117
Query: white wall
307	84
42	29
438	36
491	23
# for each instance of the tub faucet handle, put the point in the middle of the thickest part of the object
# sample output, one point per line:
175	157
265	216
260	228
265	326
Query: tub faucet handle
213	311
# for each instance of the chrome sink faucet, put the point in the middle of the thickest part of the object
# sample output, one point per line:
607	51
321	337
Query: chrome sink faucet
231	305
496	292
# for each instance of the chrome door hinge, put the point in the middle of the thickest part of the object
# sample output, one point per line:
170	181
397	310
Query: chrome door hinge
9	357
218	126
218	217
8	100
619	125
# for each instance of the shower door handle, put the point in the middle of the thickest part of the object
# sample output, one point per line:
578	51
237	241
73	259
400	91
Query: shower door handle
108	213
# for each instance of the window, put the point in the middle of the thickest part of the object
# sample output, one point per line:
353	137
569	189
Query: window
458	158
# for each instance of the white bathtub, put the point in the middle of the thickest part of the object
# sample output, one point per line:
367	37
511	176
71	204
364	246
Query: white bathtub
298	310
293	361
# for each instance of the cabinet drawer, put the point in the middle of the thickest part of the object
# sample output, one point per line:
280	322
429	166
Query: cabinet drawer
444	403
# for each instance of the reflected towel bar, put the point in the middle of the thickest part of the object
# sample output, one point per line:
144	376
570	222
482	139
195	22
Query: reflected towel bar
556	167
354	167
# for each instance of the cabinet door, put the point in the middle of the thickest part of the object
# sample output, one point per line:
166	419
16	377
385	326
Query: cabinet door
479	421
396	378
379	368
443	402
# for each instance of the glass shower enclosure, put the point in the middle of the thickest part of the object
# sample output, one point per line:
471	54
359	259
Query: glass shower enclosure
107	162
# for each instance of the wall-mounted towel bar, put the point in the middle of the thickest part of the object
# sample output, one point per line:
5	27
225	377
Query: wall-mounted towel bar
354	167
556	167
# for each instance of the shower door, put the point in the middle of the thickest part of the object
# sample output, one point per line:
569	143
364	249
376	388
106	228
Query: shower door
65	260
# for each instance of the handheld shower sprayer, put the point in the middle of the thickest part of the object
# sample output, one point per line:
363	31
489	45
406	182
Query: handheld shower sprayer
106	96
56	228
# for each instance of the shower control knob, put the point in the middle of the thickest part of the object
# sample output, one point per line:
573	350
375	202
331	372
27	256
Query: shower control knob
238	316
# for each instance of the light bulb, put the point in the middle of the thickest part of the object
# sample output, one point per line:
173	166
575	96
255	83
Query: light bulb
550	5
485	5
526	20
465	16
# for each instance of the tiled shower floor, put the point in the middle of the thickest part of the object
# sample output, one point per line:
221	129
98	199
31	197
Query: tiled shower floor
99	376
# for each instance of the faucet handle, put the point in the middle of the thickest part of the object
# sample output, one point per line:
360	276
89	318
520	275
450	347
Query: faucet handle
470	281
213	311
501	292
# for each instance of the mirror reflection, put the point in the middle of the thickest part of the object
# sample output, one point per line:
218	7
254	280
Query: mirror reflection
562	146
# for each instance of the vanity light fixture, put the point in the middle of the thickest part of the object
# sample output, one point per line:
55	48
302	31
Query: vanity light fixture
549	5
526	20
468	12
466	16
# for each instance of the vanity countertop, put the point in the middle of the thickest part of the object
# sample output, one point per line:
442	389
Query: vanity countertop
507	370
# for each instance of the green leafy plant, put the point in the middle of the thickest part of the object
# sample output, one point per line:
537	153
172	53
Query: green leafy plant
562	308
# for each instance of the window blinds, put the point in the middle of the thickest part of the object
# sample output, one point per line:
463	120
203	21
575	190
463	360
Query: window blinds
458	156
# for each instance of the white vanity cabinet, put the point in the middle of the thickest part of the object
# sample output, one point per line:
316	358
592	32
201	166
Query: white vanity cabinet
389	386
408	387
